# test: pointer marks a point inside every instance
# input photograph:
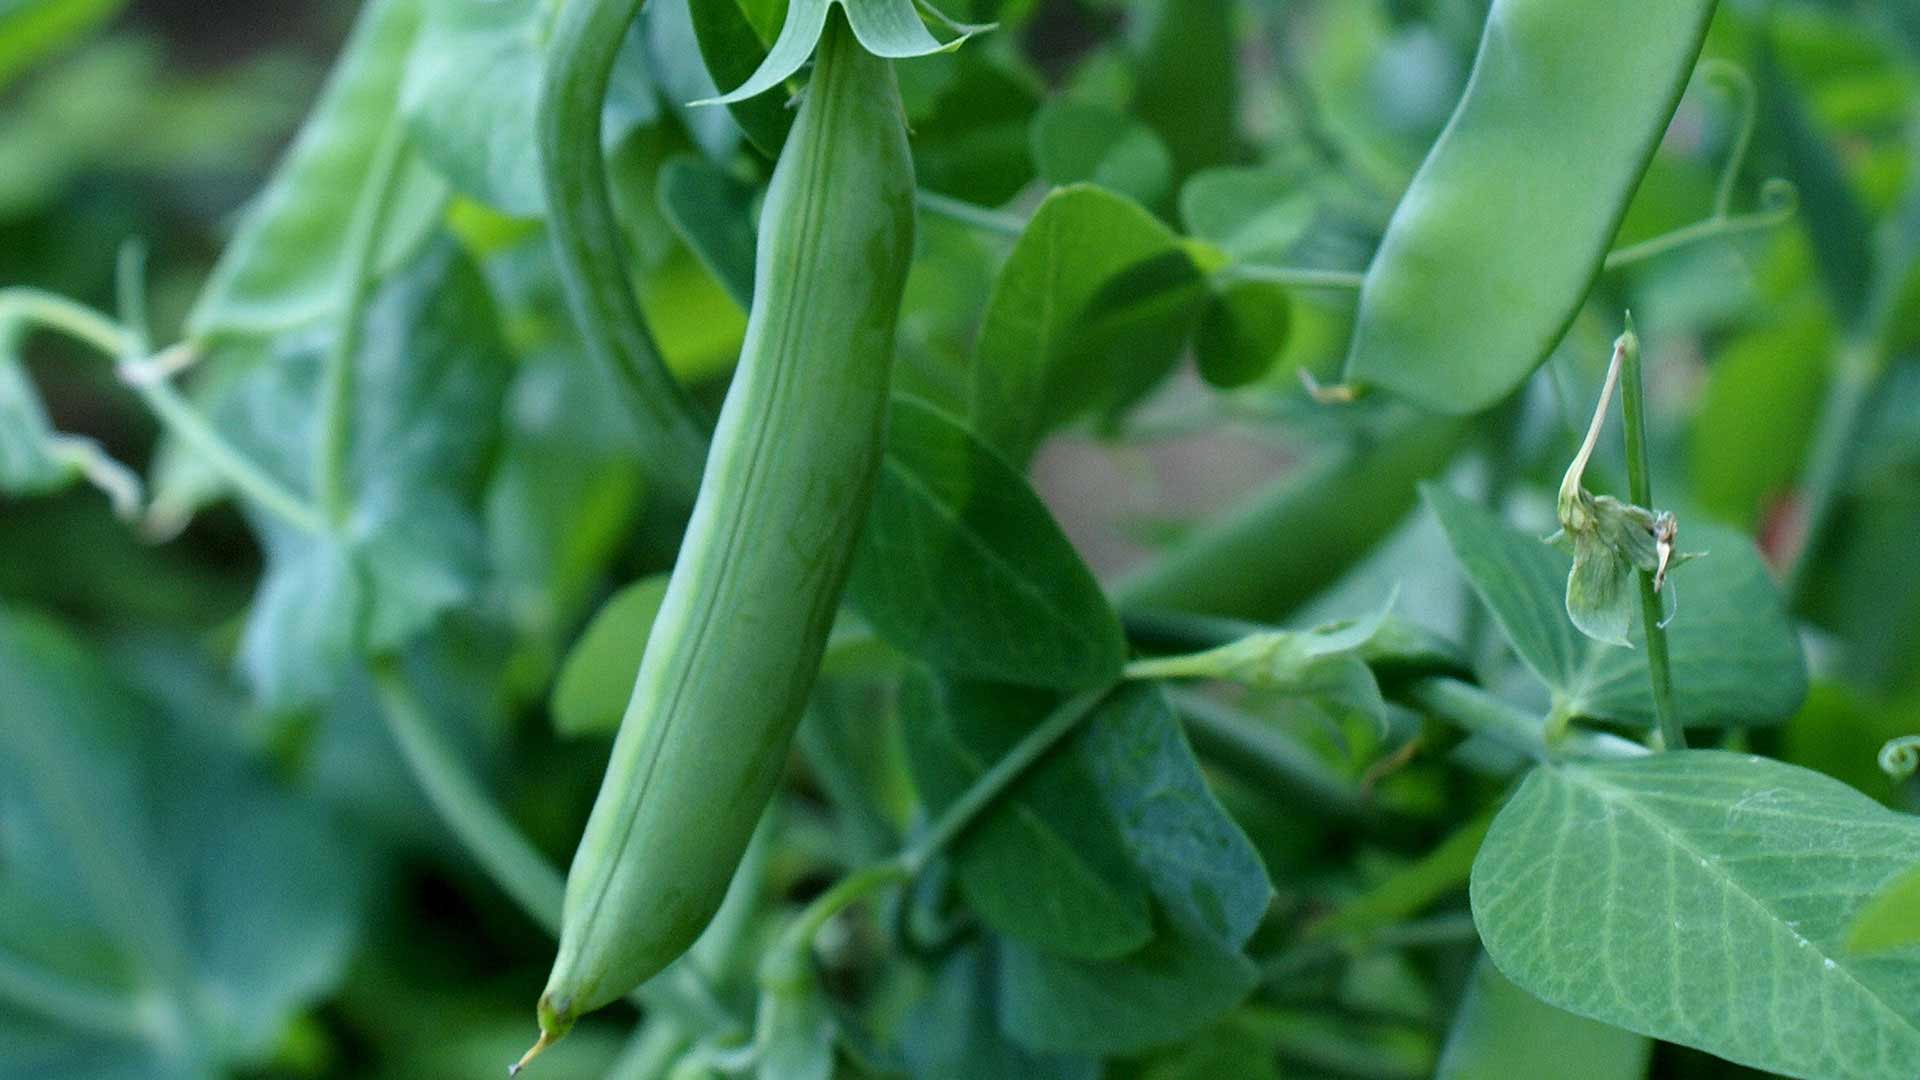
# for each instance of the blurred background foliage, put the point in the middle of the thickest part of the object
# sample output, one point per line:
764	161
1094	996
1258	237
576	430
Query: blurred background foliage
280	899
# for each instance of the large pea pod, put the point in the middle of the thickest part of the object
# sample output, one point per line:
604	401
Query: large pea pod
737	644
1504	228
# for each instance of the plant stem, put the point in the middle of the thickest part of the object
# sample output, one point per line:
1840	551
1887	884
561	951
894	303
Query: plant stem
337	378
1479	713
503	852
1294	276
796	943
998	222
54	997
1633	410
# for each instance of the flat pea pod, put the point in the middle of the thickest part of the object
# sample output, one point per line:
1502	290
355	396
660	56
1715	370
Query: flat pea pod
586	239
1496	243
736	646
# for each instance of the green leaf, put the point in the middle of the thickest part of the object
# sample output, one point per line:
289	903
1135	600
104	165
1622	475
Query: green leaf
961	565
1253	214
1049	864
1603	600
1185	82
285	264
1735	658
953	1033
1501	1031
421	438
1075	143
597	679
713	211
1835	220
479	133
1169	990
1891	919
1682	895
889	28
1242	332
32	30
733	50
1233	1048
970	113
1036	364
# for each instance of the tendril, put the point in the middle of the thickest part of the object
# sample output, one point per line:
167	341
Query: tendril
1900	758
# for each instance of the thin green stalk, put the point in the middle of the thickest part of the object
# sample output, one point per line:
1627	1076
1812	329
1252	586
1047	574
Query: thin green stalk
796	943
1293	276
998	222
587	241
337	377
1633	411
1717	226
52	311
1479	713
502	851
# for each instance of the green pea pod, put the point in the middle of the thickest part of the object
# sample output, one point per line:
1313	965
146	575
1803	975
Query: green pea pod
1499	238
737	644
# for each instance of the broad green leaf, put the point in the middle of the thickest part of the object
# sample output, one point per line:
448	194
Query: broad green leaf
961	565
1167	991
713	211
889	28
1254	214
1325	514
970	112
1078	143
596	681
32	30
1683	896
1735	658
1242	332
733	50
421	438
1035	364
479	132
285	264
1756	415
1049	865
1891	919
1501	1032
953	1033
1460	342
188	884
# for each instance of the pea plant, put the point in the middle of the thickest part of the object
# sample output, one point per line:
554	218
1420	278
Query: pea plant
1043	539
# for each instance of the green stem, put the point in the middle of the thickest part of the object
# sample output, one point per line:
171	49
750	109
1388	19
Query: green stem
1633	411
69	1004
337	378
998	222
503	852
1477	712
1777	205
786	961
1836	443
1293	276
586	237
181	418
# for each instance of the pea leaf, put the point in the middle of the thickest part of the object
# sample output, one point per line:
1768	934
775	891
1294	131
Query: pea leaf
479	132
421	438
1242	332
1093	305
1891	919
31	30
970	112
1677	895
285	264
954	1033
961	565
890	28
1185	86
597	679
178	877
1503	1031
1735	658
1075	143
713	211
1253	214
1049	865
733	51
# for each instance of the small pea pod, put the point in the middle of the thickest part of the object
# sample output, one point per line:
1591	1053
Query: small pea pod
586	238
737	644
1504	228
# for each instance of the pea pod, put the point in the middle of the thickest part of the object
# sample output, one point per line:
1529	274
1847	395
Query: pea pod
736	646
586	238
1498	240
